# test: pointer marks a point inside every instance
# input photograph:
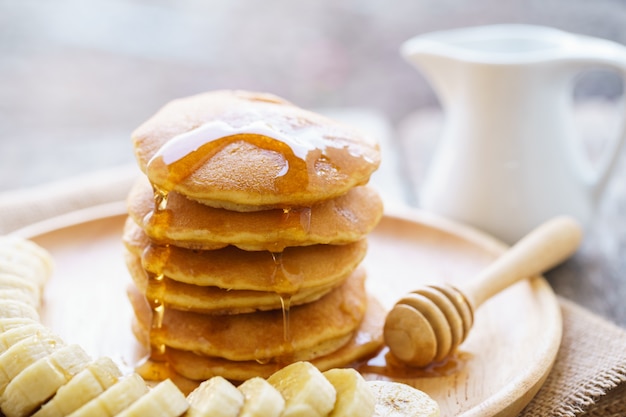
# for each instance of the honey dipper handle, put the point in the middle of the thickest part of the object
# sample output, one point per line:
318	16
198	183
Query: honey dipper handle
543	248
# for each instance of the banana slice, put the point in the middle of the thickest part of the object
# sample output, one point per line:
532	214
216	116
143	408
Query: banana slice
354	398
164	400
115	399
12	282
26	258
395	399
23	270
215	397
41	380
82	388
19	333
9	266
8	323
305	390
18	295
24	353
261	399
14	308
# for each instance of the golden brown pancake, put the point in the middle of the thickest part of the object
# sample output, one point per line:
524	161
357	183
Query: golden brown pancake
315	329
364	343
215	300
296	268
187	223
249	151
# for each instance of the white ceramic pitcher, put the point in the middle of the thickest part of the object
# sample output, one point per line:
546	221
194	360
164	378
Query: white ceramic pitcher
509	158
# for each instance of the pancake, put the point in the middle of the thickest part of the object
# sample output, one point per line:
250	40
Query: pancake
294	269
247	151
215	300
315	329
187	223
364	343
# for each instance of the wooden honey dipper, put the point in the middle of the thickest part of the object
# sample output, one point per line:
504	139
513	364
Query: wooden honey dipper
428	324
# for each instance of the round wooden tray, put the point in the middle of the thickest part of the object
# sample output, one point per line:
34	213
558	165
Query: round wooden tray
497	371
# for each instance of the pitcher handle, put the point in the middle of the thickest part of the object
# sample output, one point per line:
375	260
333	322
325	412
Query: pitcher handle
603	53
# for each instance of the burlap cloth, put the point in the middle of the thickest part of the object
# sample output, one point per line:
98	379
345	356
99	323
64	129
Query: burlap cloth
589	375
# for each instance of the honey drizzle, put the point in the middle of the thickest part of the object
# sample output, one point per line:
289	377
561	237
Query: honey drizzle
305	219
386	364
285	285
155	366
285	305
182	155
155	294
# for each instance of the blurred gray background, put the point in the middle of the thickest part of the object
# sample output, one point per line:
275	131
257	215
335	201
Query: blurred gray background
76	77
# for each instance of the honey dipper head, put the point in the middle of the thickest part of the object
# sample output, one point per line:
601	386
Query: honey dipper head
249	151
427	325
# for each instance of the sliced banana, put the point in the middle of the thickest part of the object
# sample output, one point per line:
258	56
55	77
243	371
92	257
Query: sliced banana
24	353
14	308
82	388
395	399
19	268
41	380
164	400
21	296
354	397
305	390
12	282
8	323
25	258
261	399
24	271
115	399
19	333
215	397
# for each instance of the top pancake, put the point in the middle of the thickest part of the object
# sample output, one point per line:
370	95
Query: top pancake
248	151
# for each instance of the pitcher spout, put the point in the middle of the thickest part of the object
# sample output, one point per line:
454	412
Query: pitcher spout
444	57
437	65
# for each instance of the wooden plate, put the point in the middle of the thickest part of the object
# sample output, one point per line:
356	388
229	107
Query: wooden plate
498	370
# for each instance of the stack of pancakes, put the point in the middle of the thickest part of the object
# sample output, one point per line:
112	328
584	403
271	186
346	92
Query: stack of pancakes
245	239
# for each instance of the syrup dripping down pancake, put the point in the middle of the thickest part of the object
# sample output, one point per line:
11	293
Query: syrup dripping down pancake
248	151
